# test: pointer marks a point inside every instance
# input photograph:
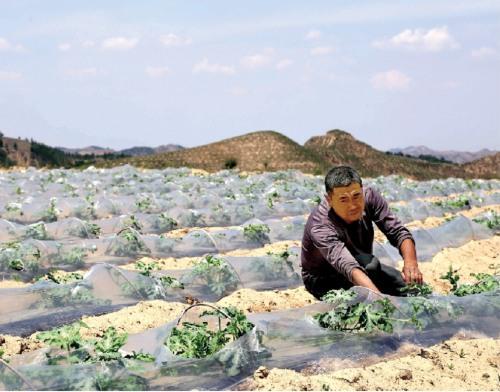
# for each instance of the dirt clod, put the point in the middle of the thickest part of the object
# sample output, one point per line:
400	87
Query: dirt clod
261	372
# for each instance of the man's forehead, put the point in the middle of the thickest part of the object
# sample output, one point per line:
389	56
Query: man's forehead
347	190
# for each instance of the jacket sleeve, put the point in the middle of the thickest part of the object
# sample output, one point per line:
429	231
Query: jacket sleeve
386	221
327	241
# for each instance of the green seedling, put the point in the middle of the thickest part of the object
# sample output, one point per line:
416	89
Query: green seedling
257	233
196	340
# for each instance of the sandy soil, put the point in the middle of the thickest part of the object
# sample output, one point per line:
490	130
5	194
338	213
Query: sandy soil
453	365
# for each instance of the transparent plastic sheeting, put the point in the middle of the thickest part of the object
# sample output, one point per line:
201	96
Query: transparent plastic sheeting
126	181
289	339
40	256
106	288
74	225
218	198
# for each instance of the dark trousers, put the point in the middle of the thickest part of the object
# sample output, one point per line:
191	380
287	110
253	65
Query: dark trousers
387	279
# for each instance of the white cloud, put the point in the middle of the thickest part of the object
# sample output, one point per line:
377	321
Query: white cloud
82	72
6	45
9	75
483	52
321	50
157	72
432	40
313	34
282	64
88	44
174	40
205	66
258	60
390	80
119	43
64	47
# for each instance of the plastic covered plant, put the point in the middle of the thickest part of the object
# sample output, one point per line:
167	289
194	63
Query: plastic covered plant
257	233
216	274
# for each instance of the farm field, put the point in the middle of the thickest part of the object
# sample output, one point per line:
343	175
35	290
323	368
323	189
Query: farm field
98	266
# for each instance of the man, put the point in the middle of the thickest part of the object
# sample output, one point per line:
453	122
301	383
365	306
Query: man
338	240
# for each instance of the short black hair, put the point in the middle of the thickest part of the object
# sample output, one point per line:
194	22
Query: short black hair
341	176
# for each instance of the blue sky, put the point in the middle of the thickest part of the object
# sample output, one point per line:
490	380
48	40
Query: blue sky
124	73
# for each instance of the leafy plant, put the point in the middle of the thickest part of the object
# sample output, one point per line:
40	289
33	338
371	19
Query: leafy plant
271	198
165	223
257	233
132	222
69	295
37	231
276	268
452	277
20	257
51	213
67	337
74	256
129	243
168	281
456	203
144	204
216	274
60	278
417	290
86	230
145	268
316	199
491	220
106	348
78	350
348	316
196	340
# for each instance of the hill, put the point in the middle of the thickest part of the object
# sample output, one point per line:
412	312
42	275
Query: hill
487	167
256	151
449	155
339	147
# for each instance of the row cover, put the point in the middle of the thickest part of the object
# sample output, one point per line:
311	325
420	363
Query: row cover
106	288
234	212
106	285
83	194
288	339
34	257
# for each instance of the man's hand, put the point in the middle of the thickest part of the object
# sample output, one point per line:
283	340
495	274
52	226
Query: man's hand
411	273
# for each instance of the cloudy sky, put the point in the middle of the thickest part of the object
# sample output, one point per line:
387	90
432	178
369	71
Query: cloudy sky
119	73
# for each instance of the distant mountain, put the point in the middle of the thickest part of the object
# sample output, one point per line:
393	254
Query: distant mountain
141	151
132	151
90	150
449	155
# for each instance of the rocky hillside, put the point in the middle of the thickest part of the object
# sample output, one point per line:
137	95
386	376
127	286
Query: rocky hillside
341	148
264	150
487	167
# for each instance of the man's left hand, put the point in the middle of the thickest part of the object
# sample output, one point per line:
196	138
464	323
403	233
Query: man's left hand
411	274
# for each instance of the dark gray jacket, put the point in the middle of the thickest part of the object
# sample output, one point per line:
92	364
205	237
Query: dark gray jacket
329	244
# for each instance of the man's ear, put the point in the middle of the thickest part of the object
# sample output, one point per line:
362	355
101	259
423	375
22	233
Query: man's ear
328	197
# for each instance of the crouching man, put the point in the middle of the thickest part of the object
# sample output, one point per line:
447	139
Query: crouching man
338	240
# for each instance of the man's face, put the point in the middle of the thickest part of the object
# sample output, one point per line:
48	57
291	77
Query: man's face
348	202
